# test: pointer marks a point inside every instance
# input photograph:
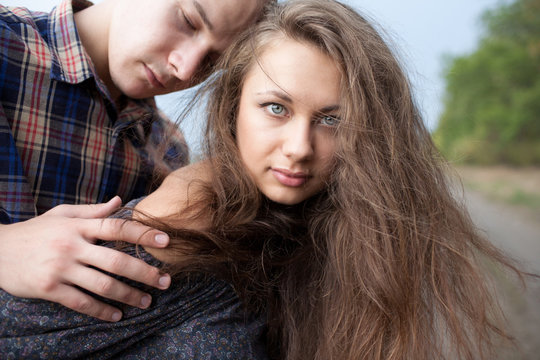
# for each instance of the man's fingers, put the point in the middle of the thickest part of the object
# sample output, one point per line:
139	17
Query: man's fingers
125	230
119	263
108	287
92	211
85	304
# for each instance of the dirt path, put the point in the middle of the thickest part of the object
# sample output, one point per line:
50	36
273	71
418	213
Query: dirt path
517	231
510	227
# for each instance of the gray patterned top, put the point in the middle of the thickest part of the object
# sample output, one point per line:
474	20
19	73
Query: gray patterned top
198	317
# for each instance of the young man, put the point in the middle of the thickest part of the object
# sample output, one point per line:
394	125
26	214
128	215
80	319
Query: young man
78	125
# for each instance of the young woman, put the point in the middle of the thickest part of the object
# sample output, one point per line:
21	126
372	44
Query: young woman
323	203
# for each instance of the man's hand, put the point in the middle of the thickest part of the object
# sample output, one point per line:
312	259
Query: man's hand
45	258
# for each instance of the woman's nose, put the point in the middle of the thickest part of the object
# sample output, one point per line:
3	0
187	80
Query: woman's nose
297	140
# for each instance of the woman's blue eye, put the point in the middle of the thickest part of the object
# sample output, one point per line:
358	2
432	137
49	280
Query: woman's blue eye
329	121
277	109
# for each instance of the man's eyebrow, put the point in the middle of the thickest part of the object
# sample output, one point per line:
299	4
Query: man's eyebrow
203	15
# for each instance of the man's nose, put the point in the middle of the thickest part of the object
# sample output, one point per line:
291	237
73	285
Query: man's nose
186	60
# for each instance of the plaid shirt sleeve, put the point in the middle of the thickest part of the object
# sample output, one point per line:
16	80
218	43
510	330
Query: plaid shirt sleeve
16	201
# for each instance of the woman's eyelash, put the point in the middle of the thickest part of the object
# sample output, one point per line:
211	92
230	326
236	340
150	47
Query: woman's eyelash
329	120
277	109
274	108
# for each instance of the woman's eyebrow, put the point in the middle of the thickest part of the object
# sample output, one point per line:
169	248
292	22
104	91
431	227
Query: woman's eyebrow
283	96
329	109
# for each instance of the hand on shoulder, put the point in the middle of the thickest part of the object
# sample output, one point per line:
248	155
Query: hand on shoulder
53	255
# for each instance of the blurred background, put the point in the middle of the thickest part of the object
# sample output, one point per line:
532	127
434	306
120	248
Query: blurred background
475	70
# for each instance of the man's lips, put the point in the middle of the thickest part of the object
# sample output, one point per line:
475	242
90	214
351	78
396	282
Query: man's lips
153	79
289	178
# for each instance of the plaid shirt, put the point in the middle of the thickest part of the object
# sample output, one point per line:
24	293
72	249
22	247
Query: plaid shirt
62	138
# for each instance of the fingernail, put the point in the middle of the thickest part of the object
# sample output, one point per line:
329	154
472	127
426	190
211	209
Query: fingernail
161	239
145	301
117	315
164	281
113	198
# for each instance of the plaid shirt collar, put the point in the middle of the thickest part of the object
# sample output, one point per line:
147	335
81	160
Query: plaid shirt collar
71	63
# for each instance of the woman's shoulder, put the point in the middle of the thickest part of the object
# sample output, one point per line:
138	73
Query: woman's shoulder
177	189
174	204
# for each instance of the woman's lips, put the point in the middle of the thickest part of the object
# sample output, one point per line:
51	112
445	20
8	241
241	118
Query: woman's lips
153	79
288	178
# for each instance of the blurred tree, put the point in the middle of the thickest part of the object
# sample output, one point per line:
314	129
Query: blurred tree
492	98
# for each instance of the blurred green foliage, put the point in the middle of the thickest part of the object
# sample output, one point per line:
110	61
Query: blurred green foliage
492	98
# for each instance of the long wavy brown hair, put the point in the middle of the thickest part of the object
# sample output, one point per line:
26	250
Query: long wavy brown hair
384	263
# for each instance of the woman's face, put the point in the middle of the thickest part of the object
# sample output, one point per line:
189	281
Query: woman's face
287	119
